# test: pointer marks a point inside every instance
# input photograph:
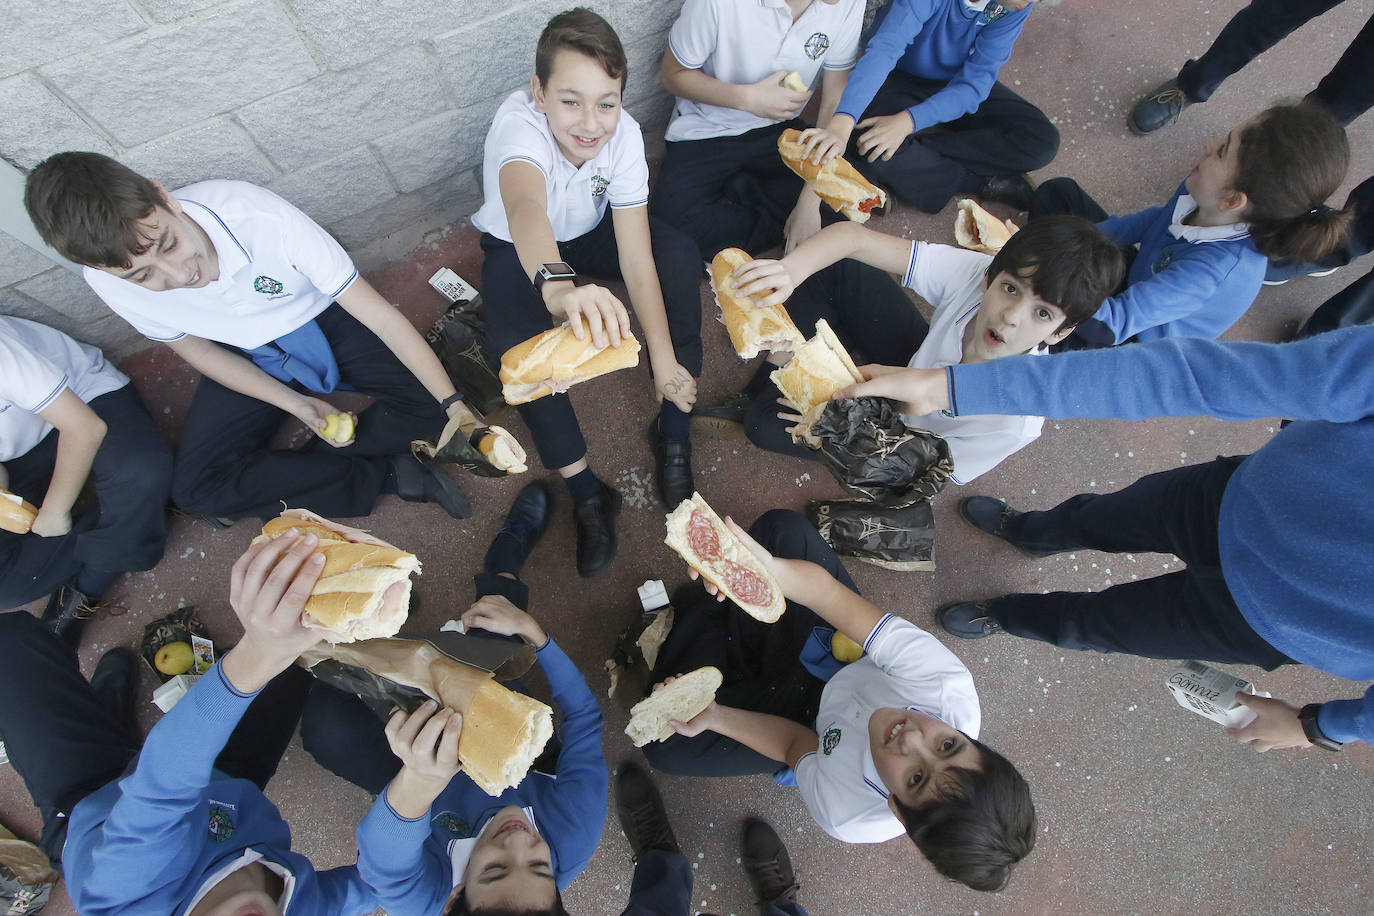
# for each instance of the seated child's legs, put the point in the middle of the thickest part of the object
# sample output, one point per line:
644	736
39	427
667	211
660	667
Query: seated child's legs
60	738
348	739
31	567
728	192
1351	306
403	409
256	745
1066	197
224	468
515	313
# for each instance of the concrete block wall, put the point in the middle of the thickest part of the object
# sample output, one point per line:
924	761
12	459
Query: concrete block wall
369	115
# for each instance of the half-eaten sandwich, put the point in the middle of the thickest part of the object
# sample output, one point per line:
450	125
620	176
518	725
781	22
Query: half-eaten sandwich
354	598
977	229
836	182
503	732
752	329
554	361
818	368
680	701
701	538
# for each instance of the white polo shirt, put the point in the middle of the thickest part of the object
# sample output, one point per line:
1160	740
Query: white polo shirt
277	270
38	363
951	279
742	41
903	667
618	175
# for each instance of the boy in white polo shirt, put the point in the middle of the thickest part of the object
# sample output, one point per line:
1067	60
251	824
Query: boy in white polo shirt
557	157
1048	277
269	308
66	415
883	746
722	181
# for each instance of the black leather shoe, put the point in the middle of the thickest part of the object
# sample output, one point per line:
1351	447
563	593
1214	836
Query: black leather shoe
673	462
595	519
1161	106
724	421
115	682
528	517
992	516
768	865
969	620
66	613
641	811
1015	191
425	483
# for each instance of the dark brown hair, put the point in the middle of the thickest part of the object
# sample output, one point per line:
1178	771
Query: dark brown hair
89	207
459	907
581	30
1067	261
1291	159
980	828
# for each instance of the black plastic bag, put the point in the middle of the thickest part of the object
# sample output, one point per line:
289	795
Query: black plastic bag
895	538
873	453
456	339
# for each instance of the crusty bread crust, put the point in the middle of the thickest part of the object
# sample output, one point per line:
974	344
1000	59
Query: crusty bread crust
818	368
752	329
680	701
503	450
731	549
503	732
978	230
555	360
16	513
836	182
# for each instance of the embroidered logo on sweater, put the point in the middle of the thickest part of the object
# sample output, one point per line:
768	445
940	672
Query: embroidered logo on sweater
1166	257
221	824
991	13
267	286
816	45
453	824
830	741
599	185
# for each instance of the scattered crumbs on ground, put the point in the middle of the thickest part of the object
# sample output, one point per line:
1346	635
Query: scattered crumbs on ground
187	552
636	485
803	478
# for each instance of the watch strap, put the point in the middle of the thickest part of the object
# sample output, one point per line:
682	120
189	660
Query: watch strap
1312	729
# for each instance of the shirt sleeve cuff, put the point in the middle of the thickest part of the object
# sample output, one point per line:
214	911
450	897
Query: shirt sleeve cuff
1345	720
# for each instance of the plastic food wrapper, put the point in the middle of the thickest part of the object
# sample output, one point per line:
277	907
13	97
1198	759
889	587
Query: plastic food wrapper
461	443
1211	693
180	626
456	338
873	454
894	538
26	876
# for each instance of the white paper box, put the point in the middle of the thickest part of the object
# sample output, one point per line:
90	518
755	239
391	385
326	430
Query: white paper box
170	693
1211	693
453	287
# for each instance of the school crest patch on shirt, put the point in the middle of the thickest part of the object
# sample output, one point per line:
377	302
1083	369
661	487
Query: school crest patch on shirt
991	13
267	286
816	45
452	824
599	184
221	825
830	741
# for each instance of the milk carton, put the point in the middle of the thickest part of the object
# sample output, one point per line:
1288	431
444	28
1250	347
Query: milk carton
1211	692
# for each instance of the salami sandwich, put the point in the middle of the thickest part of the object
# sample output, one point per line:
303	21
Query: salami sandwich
836	182
752	329
701	538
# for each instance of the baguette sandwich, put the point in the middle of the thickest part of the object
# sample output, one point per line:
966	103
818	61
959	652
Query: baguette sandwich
680	701
503	450
818	368
554	361
503	732
837	182
977	229
752	329
354	597
16	513
701	538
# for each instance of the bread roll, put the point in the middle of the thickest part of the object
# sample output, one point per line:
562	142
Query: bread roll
977	229
793	81
819	367
836	182
679	701
503	451
554	361
701	538
503	732
752	329
16	513
353	598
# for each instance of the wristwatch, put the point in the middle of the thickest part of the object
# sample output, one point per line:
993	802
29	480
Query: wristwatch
1308	717
552	270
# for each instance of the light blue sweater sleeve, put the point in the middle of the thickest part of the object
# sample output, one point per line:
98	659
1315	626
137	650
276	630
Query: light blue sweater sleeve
408	874
1130	228
966	91
1348	720
1326	377
899	29
1210	283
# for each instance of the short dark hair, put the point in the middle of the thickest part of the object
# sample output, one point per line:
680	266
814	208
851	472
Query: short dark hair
459	907
1067	261
581	30
980	827
89	207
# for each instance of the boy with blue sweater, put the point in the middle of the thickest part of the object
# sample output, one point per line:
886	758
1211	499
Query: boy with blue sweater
933	120
1276	543
181	827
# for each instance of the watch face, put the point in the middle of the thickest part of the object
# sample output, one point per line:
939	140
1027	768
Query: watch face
558	269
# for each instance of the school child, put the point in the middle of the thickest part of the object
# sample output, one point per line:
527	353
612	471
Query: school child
181	824
558	156
662	883
66	416
1258	193
1276	543
1048	277
888	745
722	180
436	843
933	120
271	311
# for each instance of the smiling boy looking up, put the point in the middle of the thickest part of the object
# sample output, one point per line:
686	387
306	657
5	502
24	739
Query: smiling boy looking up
556	156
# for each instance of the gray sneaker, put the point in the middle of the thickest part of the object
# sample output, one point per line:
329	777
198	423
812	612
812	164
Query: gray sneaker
1160	107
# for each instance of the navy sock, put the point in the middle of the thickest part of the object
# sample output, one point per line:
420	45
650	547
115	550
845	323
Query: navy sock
505	555
673	424
583	485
